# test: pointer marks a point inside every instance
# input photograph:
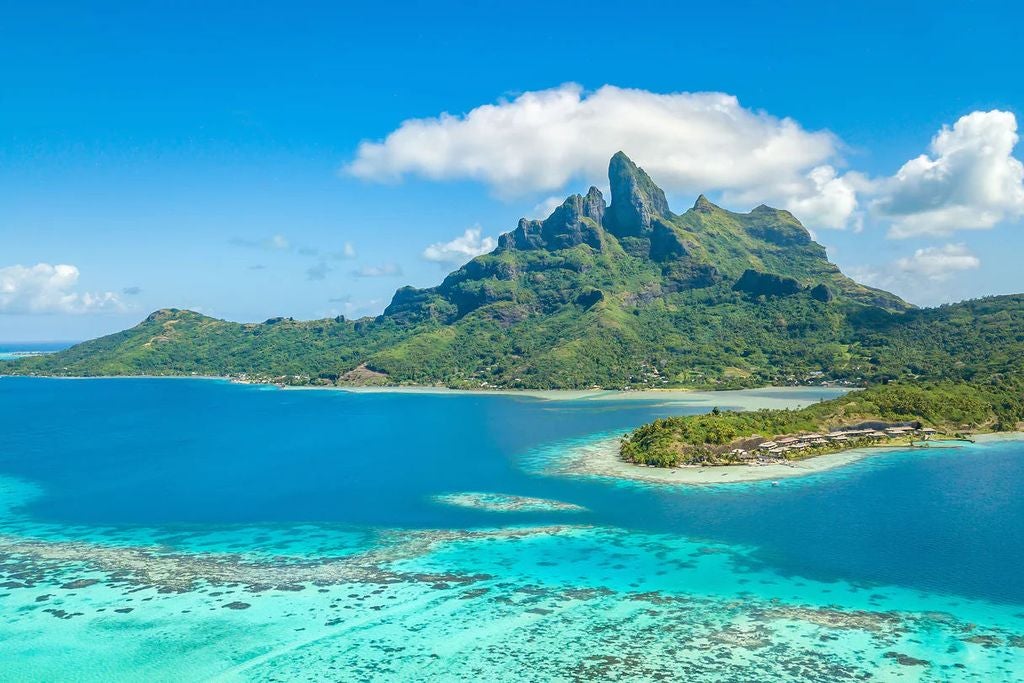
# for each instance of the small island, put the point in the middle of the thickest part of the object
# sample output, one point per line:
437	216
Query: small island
883	415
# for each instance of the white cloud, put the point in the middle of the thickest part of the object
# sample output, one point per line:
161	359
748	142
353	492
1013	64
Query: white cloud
278	242
927	277
969	181
707	142
822	198
348	252
464	248
689	143
938	263
385	270
45	288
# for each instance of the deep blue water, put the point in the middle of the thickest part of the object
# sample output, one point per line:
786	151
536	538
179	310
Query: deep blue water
170	452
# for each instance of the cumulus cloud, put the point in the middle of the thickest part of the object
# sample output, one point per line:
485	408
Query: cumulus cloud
45	288
463	248
385	270
822	198
969	180
542	140
939	263
689	142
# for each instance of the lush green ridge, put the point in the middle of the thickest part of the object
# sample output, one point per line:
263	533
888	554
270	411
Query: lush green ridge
949	407
621	295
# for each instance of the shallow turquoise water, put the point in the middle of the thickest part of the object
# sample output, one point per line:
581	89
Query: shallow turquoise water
190	529
13	351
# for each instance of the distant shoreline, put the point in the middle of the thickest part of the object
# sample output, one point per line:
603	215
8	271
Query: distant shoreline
602	459
755	398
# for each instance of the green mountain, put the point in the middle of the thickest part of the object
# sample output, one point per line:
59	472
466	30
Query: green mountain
621	294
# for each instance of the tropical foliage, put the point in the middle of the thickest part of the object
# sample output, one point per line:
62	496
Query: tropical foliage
949	407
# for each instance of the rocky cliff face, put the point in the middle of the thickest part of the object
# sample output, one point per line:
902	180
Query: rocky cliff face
577	221
636	200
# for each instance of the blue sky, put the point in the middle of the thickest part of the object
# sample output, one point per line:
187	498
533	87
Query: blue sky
208	155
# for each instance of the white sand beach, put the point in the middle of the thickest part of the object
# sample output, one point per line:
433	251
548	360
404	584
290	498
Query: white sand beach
742	399
601	459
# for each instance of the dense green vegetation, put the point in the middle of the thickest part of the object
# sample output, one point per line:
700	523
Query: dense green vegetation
626	295
949	407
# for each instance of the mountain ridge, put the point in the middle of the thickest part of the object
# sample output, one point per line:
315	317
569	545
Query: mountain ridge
701	247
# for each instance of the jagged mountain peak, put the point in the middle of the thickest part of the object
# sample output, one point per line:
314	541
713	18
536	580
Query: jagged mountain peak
636	199
575	221
703	205
635	245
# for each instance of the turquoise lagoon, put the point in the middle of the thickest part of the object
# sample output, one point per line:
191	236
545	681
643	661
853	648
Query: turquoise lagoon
13	351
201	530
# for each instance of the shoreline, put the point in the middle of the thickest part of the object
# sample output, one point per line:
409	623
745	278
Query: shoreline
755	398
759	397
601	459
